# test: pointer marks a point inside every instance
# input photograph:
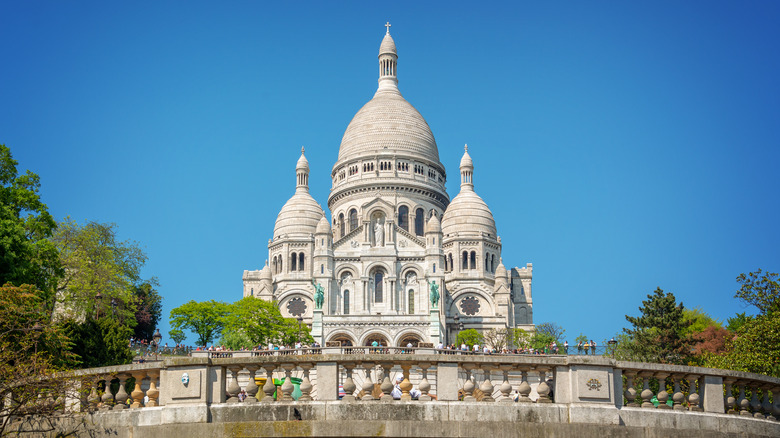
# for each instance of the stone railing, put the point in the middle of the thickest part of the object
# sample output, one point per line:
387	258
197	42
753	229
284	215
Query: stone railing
568	389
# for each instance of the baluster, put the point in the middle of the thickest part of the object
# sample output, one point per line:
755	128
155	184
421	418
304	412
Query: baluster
287	386
543	389
425	386
138	393
468	385
487	386
306	385
121	394
233	389
776	397
269	388
755	404
349	384
251	386
693	396
107	399
93	398
406	385
678	397
524	389
368	385
766	406
646	394
729	400
153	393
630	392
662	396
506	387
744	403
387	385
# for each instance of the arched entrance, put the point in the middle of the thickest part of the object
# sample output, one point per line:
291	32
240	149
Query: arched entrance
344	339
409	338
378	337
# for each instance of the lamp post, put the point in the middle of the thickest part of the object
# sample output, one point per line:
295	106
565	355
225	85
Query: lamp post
612	342
458	325
156	338
98	301
113	306
300	320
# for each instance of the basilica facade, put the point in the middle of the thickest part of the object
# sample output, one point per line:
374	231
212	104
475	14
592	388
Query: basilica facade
399	262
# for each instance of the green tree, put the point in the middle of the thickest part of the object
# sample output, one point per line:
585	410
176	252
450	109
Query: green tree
205	319
519	338
177	335
755	348
497	339
27	256
698	321
100	342
469	337
148	310
550	331
261	322
735	323
760	289
659	333
101	272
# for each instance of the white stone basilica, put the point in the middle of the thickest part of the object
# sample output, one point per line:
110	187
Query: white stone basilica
394	234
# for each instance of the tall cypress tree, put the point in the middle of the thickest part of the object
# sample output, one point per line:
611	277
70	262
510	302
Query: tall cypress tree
658	334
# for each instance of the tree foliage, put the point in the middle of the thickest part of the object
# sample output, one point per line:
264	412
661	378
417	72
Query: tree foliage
698	321
148	310
496	339
26	254
100	342
549	332
659	332
177	335
470	337
260	322
206	319
755	348
760	289
735	323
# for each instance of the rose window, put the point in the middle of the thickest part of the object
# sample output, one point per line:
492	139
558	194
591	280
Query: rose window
469	306
296	307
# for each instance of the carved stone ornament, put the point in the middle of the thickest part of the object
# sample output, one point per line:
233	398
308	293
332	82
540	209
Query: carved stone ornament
593	384
402	243
354	243
185	379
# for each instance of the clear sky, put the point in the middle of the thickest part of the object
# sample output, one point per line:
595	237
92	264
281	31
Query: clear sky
621	146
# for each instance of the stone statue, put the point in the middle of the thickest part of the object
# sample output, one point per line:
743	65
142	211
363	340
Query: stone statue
434	294
379	234
319	294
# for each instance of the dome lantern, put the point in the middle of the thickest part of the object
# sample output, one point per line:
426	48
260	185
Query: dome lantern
466	170
302	172
388	62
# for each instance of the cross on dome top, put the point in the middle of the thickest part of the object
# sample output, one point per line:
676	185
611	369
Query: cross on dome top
388	25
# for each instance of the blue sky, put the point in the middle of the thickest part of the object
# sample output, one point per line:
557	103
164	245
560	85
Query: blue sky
621	146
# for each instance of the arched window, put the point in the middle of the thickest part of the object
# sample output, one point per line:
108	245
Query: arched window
341	224
493	263
434	268
473	260
445	264
378	280
322	269
451	265
419	221
300	262
346	302
403	217
411	301
353	222
293	261
273	265
487	262
279	267
465	260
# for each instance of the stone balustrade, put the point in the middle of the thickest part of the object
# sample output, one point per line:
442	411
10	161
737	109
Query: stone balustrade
599	390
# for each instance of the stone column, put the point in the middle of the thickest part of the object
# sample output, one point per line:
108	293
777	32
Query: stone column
306	385
729	401
287	386
543	389
755	404
107	399
233	389
711	394
251	387
487	386
153	393
327	381
468	385
349	384
424	385
121	394
662	396
138	393
630	393
406	385
387	385
447	381
766	406
269	388
693	396
678	397
524	389
368	385
646	394
744	403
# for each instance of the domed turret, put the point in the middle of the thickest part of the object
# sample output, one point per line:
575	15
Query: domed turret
323	227
301	213
265	273
468	214
434	226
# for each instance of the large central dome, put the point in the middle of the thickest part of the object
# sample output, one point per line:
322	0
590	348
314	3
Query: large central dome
388	123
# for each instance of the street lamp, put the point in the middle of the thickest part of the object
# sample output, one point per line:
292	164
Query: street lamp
458	325
98	300
612	342
156	339
113	306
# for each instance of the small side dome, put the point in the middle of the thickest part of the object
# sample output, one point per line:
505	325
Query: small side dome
468	214
299	216
323	227
265	273
501	269
388	45
434	226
